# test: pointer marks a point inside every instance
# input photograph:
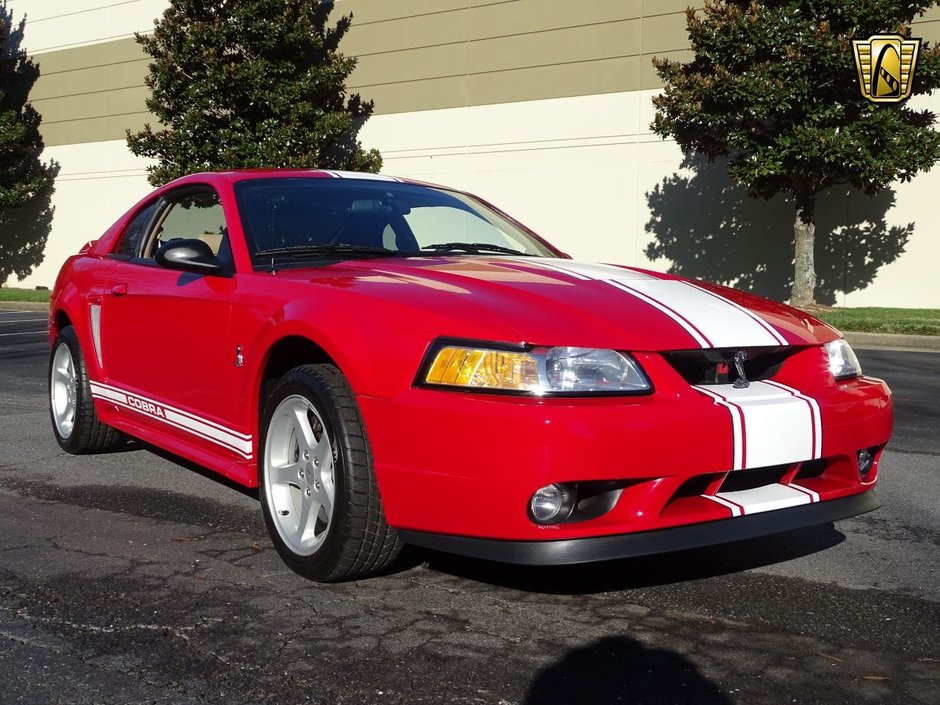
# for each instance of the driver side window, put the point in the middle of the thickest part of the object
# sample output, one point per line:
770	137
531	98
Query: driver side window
192	215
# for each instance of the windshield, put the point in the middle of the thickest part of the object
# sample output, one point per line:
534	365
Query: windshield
306	217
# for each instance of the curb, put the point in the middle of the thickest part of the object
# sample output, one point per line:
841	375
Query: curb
890	341
893	341
24	306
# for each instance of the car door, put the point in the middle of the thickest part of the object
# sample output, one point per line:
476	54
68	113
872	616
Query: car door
165	333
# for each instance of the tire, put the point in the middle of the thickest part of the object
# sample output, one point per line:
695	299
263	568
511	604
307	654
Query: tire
318	492
71	407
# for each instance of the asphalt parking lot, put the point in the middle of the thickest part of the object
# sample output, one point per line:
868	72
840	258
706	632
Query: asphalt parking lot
135	578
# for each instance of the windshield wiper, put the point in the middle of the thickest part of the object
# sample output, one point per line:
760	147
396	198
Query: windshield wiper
336	248
474	248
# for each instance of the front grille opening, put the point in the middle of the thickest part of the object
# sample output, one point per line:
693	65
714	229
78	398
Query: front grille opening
717	366
811	468
753	478
697	486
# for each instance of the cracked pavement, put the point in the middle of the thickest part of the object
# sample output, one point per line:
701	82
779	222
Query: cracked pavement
133	578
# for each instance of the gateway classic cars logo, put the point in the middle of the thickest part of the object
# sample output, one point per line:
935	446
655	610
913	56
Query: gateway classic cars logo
885	64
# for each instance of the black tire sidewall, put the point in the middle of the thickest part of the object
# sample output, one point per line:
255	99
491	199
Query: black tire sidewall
74	442
307	382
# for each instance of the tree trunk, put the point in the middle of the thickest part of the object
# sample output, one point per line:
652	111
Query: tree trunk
804	265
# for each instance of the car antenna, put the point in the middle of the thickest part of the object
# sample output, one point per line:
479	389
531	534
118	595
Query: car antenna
273	268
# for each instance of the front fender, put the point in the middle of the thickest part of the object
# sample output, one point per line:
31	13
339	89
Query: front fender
80	283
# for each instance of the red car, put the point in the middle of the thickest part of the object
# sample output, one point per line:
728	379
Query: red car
391	362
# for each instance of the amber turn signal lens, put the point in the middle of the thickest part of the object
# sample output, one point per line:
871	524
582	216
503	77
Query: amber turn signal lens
484	369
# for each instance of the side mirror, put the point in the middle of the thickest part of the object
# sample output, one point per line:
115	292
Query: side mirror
189	255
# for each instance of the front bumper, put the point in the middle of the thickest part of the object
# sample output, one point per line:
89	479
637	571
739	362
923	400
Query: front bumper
603	548
462	467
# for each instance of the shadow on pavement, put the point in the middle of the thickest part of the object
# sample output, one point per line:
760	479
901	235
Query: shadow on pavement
619	670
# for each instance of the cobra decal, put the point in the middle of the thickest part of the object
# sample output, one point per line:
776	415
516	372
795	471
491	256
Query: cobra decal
207	430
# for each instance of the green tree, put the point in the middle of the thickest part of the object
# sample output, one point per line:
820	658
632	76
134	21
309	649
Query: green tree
773	88
250	83
26	182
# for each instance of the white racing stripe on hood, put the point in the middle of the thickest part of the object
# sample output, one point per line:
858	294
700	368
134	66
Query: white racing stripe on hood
712	320
750	314
587	271
706	316
771	423
675	315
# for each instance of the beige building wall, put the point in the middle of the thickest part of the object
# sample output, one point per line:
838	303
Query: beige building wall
542	106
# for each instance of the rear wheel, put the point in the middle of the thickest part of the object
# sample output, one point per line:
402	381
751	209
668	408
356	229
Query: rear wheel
74	420
319	495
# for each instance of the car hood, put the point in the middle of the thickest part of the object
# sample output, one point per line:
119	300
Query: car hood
545	301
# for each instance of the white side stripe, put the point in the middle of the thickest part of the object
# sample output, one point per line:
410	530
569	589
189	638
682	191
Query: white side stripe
177	418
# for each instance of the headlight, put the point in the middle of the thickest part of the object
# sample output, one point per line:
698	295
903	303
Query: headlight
561	370
842	361
484	369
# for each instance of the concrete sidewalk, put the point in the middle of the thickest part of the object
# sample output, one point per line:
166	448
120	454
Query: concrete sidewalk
887	341
892	341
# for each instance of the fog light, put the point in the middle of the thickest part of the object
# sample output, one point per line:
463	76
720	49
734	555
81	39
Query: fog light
551	504
866	459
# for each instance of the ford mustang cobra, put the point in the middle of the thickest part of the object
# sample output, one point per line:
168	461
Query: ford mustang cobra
390	362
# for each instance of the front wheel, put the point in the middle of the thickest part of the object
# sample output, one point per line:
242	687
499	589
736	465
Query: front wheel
74	420
318	492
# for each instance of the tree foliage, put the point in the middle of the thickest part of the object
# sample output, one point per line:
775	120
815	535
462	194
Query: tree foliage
250	83
26	182
773	89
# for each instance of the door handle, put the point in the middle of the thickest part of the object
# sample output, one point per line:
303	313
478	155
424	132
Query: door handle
119	289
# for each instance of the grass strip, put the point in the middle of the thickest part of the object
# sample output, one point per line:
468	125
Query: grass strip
904	321
16	294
